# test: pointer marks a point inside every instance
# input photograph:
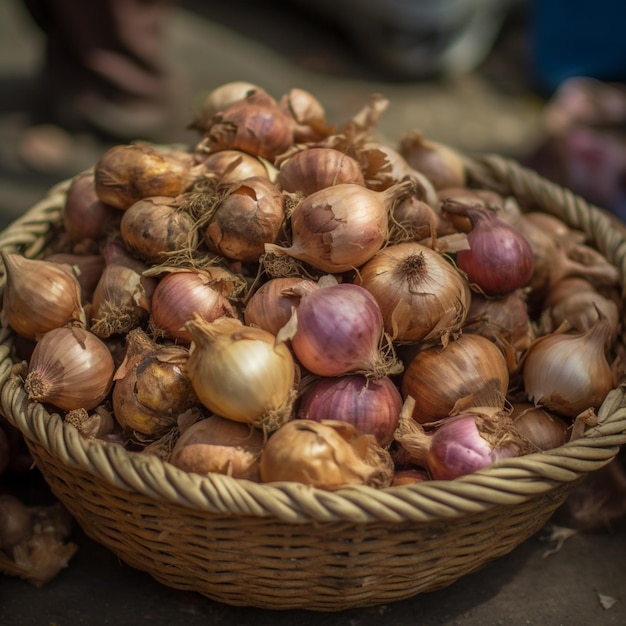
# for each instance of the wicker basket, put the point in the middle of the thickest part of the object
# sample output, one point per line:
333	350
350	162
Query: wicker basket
286	546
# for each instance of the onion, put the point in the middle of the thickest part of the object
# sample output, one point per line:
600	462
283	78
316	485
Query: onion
371	406
543	428
241	372
179	295
499	259
215	444
469	371
338	329
421	295
271	305
339	228
309	117
461	444
327	455
569	372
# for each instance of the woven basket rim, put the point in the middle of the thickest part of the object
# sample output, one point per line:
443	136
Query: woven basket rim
506	482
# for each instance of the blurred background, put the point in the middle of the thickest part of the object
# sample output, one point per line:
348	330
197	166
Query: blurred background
481	75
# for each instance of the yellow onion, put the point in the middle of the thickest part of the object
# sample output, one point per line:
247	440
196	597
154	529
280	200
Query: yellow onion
569	372
215	444
311	169
154	227
218	99
151	386
339	228
250	214
39	295
241	372
327	455
469	371
232	166
421	295
129	172
70	368
121	300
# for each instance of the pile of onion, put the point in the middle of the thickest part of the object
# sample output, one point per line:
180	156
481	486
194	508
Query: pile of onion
294	300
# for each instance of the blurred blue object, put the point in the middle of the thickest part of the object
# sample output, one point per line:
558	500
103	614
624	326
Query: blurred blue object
578	38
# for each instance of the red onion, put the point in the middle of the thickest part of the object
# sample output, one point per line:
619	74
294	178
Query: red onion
371	406
461	444
337	330
500	259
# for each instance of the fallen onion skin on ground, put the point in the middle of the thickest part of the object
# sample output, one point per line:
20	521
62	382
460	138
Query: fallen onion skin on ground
335	216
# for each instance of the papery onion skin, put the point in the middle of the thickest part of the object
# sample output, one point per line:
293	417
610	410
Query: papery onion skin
151	228
469	371
241	372
250	215
371	406
70	368
568	372
326	455
421	295
215	444
39	296
178	296
151	385
129	172
543	428
339	331
339	228
271	305
500	259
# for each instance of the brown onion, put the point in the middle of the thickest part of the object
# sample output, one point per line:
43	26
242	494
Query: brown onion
339	228
326	455
440	163
250	214
231	166
85	216
544	429
39	295
121	300
308	115
215	444
420	294
154	227
469	371
87	268
127	173
151	386
218	99
312	169
178	296
70	368
371	406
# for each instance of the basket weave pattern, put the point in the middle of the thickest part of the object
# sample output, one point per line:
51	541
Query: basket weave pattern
286	545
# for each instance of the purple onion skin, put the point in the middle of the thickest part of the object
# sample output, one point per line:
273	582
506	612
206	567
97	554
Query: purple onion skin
457	449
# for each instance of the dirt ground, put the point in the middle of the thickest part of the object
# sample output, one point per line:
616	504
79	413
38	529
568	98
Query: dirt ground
279	45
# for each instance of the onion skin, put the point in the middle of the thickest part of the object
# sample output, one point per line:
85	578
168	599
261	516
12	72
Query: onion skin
371	406
39	296
338	331
421	296
70	368
215	444
241	372
469	371
326	455
181	294
125	174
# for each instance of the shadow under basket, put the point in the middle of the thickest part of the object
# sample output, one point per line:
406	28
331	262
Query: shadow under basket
289	546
